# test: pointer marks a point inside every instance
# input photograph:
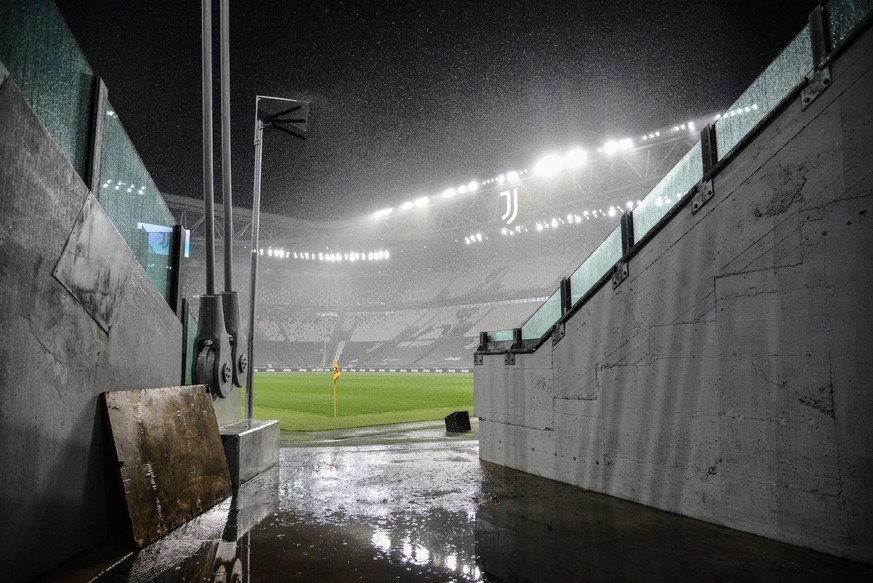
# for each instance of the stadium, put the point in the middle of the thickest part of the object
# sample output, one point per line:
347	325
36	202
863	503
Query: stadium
633	358
409	289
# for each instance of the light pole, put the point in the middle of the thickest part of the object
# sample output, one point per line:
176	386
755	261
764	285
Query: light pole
288	116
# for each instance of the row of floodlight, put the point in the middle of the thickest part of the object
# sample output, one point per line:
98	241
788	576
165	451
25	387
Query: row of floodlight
552	164
332	257
572	218
477	238
424	201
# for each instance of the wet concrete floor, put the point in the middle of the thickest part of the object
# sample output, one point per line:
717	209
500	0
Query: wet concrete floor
413	503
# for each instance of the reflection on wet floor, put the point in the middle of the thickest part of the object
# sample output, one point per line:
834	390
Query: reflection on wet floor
412	503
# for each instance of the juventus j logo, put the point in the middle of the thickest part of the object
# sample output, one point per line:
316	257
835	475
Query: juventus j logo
511	205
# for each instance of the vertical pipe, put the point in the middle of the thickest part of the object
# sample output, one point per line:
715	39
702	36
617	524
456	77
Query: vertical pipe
253	287
208	203
227	194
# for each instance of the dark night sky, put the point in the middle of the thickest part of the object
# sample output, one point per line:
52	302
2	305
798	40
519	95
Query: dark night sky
409	98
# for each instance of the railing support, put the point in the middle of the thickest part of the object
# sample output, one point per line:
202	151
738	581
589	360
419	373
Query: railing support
708	148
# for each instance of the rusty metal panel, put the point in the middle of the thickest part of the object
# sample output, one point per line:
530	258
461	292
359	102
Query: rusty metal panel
170	458
95	264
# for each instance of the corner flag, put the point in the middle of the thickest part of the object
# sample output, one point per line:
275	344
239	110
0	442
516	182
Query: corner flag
336	376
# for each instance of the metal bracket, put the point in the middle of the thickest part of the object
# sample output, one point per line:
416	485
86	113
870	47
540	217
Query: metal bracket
558	332
509	358
815	86
478	359
620	273
703	194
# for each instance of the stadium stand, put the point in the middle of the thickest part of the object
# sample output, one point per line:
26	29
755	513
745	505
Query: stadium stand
415	292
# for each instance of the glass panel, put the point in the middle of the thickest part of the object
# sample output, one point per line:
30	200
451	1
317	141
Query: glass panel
189	343
500	336
543	318
844	15
598	263
133	202
678	181
45	62
777	80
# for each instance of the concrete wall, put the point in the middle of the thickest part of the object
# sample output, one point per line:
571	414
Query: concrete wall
730	377
59	495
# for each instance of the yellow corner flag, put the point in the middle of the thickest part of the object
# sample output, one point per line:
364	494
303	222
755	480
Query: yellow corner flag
336	376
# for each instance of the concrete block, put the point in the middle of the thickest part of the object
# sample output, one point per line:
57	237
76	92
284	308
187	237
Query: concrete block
251	447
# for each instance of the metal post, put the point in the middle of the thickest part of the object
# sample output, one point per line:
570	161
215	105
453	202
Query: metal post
226	190
256	212
565	295
209	207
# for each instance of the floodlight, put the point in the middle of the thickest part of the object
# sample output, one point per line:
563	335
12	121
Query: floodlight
500	179
407	205
610	147
512	176
612	211
576	157
421	201
539	226
473	186
449	193
387	255
554	223
383	213
549	165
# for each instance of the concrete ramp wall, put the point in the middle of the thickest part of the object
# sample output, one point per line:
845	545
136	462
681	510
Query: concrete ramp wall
79	317
729	377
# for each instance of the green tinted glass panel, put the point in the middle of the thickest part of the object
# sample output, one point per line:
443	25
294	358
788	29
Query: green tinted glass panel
189	344
675	184
598	263
844	15
45	62
133	202
500	336
543	319
777	80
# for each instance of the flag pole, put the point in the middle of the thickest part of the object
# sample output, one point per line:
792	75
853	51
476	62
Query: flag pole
336	376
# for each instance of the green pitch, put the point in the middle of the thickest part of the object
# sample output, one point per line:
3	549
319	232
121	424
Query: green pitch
303	401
